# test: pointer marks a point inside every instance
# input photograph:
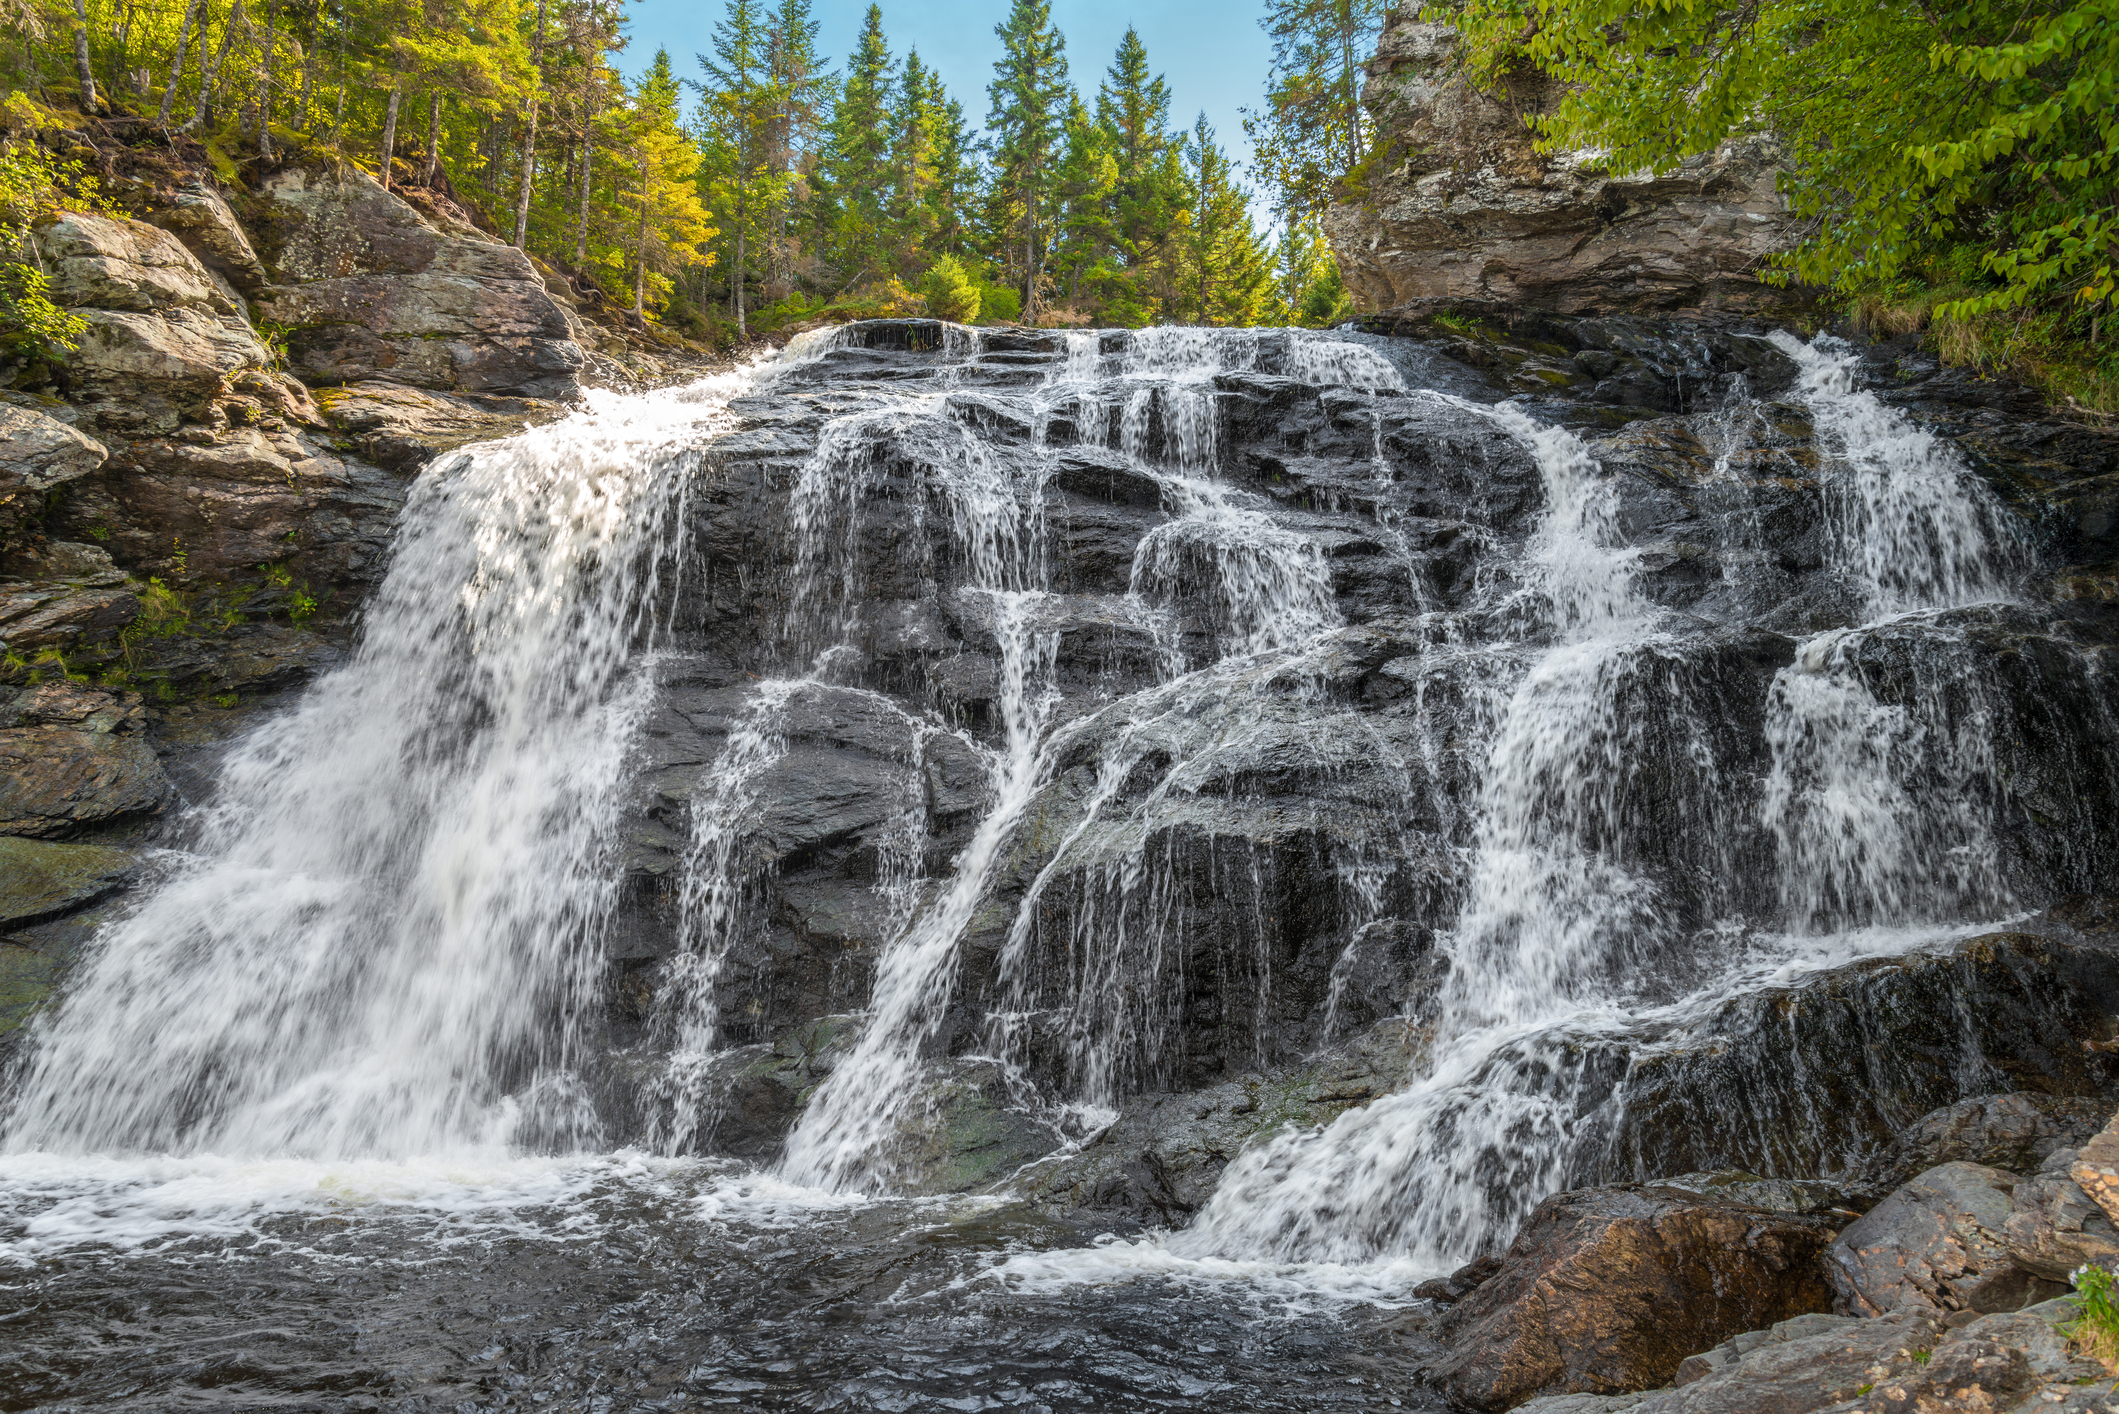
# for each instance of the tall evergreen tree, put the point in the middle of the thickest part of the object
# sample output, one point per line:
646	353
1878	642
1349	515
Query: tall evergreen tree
1228	275
803	87
739	107
1133	109
1030	97
857	155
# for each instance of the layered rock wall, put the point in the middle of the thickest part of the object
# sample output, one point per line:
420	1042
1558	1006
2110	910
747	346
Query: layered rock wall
1456	203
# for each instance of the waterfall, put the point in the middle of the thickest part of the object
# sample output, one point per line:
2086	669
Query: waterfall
1876	811
384	938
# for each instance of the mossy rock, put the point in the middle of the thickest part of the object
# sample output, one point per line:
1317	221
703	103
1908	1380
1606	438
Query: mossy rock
41	880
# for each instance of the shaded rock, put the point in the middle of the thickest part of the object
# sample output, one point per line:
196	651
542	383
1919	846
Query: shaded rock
1605	1291
2012	1131
1461	1282
1936	1241
42	880
63	562
370	290
403	428
68	704
1775	1195
34	617
37	453
2054	1227
1455	202
966	1132
56	780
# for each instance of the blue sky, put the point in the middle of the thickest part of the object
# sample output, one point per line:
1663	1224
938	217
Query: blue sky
1214	54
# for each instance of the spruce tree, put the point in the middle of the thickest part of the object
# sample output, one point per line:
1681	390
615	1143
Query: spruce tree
1313	129
1030	97
1228	276
1133	109
857	155
739	109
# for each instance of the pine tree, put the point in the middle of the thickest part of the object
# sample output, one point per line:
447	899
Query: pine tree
913	131
1085	247
803	90
1228	276
669	223
856	165
1030	96
739	109
1133	109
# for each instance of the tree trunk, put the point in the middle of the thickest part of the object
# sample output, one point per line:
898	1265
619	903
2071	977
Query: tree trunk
735	284
82	70
640	248
176	69
210	79
433	134
265	89
301	120
588	155
529	137
390	129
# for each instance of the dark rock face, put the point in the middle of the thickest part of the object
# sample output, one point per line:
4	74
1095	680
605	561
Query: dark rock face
71	758
1606	1290
2015	1131
37	453
1455	203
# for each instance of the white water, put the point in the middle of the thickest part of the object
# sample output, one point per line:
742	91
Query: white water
392	912
375	952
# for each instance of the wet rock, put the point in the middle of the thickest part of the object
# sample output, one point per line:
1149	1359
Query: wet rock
2054	1227
1775	1195
37	453
1163	1157
1937	1241
1605	1291
966	1131
55	781
1456	202
370	290
2013	1131
41	879
1461	1282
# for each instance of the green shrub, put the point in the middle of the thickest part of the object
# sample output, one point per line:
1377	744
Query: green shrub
950	291
2096	1330
999	305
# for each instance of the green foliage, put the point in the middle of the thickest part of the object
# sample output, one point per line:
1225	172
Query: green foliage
34	184
2096	1329
950	291
1904	128
998	304
1313	127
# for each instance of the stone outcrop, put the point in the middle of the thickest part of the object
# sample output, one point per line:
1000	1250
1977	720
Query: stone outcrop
37	453
1454	203
2015	1131
44	879
2054	1227
1607	1290
72	758
1937	1241
368	289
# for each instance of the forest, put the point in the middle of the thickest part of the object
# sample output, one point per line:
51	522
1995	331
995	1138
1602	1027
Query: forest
758	182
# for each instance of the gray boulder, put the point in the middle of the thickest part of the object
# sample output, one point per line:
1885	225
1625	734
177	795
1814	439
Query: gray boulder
1937	1242
371	289
201	219
2011	1131
2054	1227
37	453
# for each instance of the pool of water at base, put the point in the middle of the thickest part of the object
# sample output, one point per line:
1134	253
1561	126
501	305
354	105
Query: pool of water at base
632	1284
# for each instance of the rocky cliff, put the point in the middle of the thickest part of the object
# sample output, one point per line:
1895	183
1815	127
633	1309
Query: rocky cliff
1454	203
195	503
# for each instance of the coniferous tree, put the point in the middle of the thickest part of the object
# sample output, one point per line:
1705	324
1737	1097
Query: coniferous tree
1228	276
1313	129
1030	97
738	110
856	165
1133	108
803	89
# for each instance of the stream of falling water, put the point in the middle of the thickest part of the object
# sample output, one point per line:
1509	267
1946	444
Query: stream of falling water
365	977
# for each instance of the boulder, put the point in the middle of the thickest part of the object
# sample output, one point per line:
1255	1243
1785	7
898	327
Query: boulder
403	428
146	374
37	453
2096	1168
55	780
369	289
41	880
2054	1227
1937	1241
2013	1131
1456	202
1608	1290
111	262
37	617
201	219
1908	1361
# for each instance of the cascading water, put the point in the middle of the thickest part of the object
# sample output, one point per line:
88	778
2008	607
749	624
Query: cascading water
381	941
1104	712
